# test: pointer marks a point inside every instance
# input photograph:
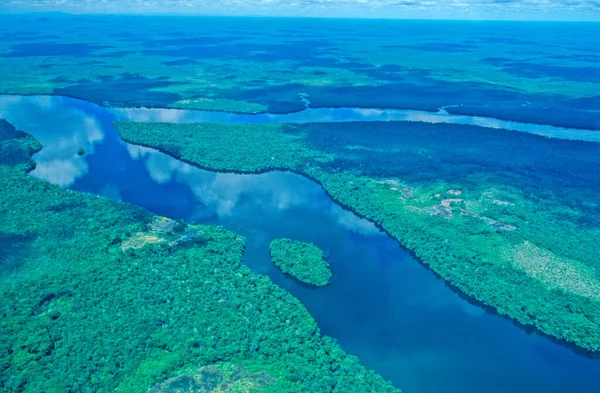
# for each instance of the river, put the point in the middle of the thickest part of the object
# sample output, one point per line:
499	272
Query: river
382	305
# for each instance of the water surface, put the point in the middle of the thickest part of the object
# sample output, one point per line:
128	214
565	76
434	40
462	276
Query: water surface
382	305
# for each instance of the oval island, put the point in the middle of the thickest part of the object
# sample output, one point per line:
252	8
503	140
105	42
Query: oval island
303	261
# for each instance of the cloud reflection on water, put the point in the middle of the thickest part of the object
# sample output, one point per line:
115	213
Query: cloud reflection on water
354	223
45	117
222	193
63	127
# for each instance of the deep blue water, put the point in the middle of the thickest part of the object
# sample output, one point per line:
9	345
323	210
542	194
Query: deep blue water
382	305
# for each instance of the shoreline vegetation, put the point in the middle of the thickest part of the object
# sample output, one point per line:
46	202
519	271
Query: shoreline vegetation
303	261
102	296
485	210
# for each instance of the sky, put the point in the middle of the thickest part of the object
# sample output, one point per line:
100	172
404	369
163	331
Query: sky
419	9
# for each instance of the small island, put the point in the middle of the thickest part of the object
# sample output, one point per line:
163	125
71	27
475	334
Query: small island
303	261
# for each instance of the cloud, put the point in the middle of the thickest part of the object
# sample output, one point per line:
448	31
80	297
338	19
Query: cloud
149	115
354	223
470	9
270	192
58	162
222	193
60	172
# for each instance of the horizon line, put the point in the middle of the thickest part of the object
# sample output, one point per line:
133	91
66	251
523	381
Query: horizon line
270	16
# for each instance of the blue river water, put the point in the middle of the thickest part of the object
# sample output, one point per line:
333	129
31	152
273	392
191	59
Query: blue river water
382	305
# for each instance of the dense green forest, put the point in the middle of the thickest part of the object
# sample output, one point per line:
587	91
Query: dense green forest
301	260
510	219
101	296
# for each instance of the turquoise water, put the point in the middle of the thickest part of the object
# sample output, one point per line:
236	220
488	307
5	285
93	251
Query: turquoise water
382	305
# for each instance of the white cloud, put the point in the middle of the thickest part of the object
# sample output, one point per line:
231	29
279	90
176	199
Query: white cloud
469	9
354	223
149	114
60	172
45	117
224	192
273	191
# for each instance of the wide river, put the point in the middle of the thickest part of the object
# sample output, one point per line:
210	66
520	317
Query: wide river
382	305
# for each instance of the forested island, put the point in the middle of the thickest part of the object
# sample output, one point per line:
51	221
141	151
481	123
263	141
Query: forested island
102	296
485	209
303	261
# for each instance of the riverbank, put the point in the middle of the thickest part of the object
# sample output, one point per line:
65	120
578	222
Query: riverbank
486	233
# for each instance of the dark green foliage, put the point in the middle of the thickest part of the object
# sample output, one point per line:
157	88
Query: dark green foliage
507	218
8	131
180	226
15	152
303	261
12	246
101	302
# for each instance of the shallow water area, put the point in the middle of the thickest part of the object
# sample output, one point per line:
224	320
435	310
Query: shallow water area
382	305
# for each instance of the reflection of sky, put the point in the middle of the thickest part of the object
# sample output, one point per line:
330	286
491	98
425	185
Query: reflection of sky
222	193
63	125
335	115
413	9
353	223
46	116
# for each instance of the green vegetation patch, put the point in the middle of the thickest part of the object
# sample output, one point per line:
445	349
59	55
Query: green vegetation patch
303	261
508	218
163	230
216	379
101	296
219	104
